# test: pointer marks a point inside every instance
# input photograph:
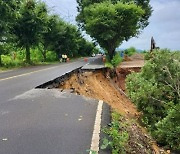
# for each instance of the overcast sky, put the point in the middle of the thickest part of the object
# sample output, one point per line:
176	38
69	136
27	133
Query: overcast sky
164	23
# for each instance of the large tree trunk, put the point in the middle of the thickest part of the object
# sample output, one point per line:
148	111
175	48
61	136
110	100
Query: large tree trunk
44	55
111	54
43	51
57	54
28	55
0	60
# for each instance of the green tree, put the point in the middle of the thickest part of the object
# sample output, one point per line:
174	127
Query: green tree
8	10
130	51
69	44
53	36
69	41
85	48
168	129
30	25
112	22
144	4
156	92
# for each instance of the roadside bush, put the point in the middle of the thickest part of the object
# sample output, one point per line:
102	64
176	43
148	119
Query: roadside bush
8	62
155	91
51	56
36	55
168	129
114	62
118	136
130	51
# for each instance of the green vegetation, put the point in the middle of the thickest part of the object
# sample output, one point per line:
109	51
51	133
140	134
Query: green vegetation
130	51
7	11
117	134
29	25
30	34
156	92
113	63
110	22
124	135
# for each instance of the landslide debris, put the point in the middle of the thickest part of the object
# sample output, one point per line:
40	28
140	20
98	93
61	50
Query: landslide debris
97	85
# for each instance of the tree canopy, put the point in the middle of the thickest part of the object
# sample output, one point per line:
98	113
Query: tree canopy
8	14
156	92
112	22
29	25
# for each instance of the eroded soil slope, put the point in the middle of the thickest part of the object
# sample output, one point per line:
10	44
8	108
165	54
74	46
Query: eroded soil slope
97	85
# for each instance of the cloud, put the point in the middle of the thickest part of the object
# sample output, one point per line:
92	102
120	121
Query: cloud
65	8
164	23
164	27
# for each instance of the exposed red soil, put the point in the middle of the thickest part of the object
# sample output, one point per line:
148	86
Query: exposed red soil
129	65
97	85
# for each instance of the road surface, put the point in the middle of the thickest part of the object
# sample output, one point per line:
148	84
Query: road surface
95	63
44	121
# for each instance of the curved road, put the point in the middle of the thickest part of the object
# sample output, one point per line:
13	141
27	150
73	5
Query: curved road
42	121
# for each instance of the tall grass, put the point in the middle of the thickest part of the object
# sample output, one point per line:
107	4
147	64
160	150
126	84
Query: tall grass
17	59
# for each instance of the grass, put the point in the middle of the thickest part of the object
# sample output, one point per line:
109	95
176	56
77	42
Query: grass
15	65
114	62
117	135
125	135
10	61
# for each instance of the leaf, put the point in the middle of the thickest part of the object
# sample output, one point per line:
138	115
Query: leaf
105	143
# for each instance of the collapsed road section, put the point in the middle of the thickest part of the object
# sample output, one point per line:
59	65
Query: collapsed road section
57	81
93	84
96	84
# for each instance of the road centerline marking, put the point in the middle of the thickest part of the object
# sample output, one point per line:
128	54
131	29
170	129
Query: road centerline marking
27	73
3	79
97	129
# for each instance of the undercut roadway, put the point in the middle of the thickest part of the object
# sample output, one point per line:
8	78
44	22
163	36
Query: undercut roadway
45	121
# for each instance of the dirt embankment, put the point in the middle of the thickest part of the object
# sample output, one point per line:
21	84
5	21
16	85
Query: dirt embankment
97	85
129	65
122	74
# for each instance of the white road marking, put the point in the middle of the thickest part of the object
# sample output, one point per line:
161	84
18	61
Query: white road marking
31	72
97	129
27	73
4	139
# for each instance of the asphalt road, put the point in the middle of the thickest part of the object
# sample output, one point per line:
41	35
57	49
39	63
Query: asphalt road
44	121
95	63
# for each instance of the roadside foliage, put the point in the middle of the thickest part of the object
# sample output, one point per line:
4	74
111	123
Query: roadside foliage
110	22
30	33
156	92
